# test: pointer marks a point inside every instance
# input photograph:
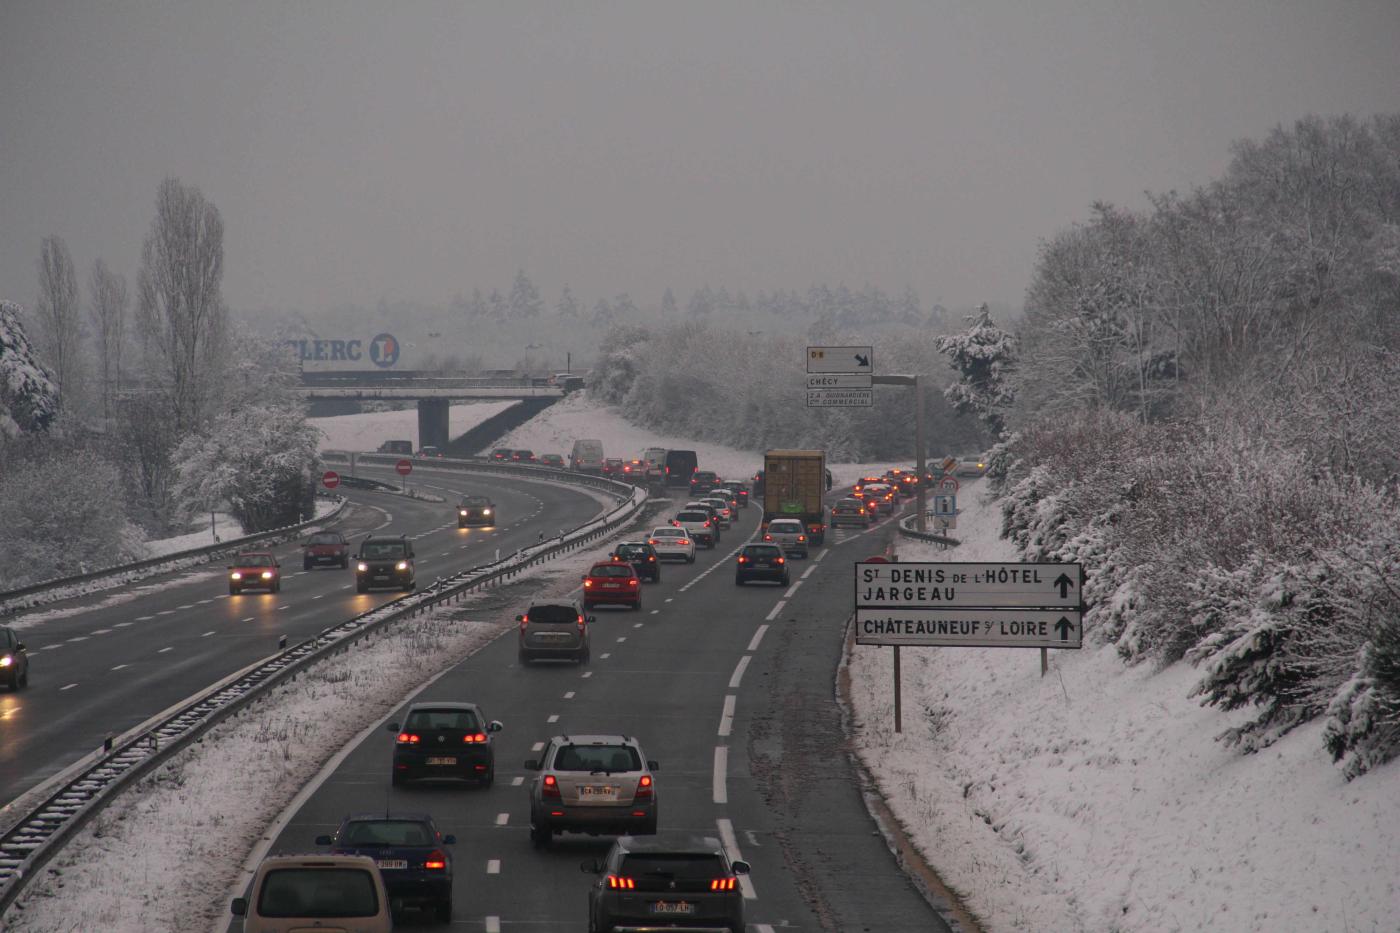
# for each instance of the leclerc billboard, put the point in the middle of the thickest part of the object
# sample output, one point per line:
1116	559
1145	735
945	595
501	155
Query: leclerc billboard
380	353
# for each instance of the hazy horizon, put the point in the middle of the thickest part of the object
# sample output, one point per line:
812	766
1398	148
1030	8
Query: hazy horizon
360	153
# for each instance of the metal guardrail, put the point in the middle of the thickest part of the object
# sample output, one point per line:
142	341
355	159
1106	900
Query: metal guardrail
934	537
36	837
24	597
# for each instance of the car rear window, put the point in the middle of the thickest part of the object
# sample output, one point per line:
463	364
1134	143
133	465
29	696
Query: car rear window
762	550
786	526
704	476
692	517
456	720
374	550
325	539
597	758
611	570
688	866
386	833
318	892
667	533
629	551
553	615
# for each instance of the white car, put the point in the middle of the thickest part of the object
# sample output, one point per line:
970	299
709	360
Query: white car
699	524
669	541
789	534
723	511
968	465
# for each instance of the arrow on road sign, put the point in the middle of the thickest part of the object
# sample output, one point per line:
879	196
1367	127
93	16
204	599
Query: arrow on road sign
1064	627
862	361
1064	583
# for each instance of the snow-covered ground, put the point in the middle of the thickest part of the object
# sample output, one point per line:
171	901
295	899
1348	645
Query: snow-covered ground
1096	799
368	430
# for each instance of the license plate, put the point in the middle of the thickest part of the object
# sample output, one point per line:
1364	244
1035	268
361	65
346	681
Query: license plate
391	863
612	586
672	907
596	792
442	761
761	563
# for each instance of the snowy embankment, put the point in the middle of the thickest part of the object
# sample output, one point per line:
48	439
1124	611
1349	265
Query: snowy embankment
1096	798
366	431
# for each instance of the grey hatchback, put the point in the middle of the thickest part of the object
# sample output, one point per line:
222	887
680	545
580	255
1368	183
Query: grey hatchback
556	629
669	881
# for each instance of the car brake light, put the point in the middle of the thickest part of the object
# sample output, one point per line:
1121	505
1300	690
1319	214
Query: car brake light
408	738
801	537
651	541
551	786
743	559
683	541
707	523
618	882
767	537
722	884
781	559
436	861
474	738
644	787
632	582
587	583
651	557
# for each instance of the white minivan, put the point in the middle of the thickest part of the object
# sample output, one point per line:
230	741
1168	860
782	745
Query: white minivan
587	457
299	892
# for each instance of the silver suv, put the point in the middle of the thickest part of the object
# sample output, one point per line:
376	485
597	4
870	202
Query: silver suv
789	534
592	784
557	629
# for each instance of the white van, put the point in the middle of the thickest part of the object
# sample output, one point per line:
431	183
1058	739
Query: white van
587	457
297	892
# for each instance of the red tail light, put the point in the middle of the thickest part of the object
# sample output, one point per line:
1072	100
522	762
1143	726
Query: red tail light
781	559
619	883
684	541
587	583
524	621
707	523
743	559
651	541
801	537
767	537
722	884
408	738
551	786
632	582
644	788
651	557
474	738
436	861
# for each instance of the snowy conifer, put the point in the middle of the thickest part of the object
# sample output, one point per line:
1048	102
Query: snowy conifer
28	396
984	357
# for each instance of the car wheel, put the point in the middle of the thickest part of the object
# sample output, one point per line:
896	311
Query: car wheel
489	777
637	606
277	587
24	678
345	563
361	588
690	558
232	590
444	911
13	680
649	827
540	836
583	656
305	566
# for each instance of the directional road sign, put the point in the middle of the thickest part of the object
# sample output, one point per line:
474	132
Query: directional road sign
840	398
840	381
403	467
982	585
330	479
840	360
971	628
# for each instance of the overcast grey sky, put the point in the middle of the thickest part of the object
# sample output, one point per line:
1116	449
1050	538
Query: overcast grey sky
415	150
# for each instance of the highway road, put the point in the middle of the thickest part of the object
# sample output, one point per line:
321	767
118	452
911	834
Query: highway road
105	663
731	689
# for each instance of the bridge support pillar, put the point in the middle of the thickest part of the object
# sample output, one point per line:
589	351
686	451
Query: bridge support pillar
432	423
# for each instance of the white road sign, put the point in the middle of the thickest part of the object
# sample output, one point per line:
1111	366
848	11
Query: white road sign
840	398
971	628
840	360
839	381
986	585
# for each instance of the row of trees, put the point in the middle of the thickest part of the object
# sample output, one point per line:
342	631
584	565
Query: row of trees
1202	404
193	414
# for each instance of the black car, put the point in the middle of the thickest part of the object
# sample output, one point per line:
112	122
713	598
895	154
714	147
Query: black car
444	740
761	562
14	660
679	467
501	453
476	510
642	557
702	481
757	484
667	880
411	855
385	562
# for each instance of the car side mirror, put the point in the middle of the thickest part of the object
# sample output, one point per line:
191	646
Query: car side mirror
654	765
591	866
323	840
532	765
391	727
449	840
494	726
19	646
239	907
739	867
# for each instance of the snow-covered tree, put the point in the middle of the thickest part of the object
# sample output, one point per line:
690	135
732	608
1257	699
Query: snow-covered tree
603	316
28	396
568	308
984	358
59	318
260	461
525	302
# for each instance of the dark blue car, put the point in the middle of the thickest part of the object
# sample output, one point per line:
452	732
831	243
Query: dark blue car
411	854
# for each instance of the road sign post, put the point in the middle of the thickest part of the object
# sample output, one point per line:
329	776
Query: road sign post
330	479
403	468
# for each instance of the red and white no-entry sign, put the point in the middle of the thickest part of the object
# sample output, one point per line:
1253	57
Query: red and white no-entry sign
404	467
330	479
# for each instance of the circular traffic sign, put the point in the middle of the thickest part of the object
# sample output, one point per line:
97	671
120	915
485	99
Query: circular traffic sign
948	481
330	479
403	467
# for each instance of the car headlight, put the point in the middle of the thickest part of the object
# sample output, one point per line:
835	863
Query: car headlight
462	512
485	511
267	574
6	660
401	565
235	576
362	566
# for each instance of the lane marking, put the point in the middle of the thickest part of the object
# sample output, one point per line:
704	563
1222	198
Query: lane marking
502	819
101	631
809	571
186	606
50	647
493	925
554	717
719	780
757	637
653	612
726	718
121	625
537	747
821	555
69	687
493	866
164	650
249	619
206	634
731	847
739	671
637	625
776	609
288	605
587	674
569	695
517	781
79	638
144	618
669	598
605	654
792	589
120	666
763	927
166	612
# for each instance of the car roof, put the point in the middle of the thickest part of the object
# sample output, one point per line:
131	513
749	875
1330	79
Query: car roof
633	544
763	544
785	521
680	843
669	529
386	816
572	603
444	704
597	740
315	860
609	563
253	554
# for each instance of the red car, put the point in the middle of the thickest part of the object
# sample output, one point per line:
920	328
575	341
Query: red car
863	482
255	569
613	582
326	548
522	456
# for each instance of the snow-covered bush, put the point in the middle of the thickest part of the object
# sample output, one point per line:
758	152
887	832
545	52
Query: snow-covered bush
28	396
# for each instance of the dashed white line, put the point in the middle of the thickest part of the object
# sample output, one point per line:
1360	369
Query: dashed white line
493	925
621	638
285	606
637	625
726	717
144	618
120	666
731	848
587	674
719	782
120	624
249	619
206	634
79	638
776	609
653	612
165	649
538	746
101	631
69	687
605	654
569	695
553	717
757	637
502	819
517	781
50	647
820	556
493	866
739	671
166	612
792	589
669	598
186	606
809	571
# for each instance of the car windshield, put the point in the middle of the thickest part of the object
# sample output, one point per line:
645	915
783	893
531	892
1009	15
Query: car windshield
552	615
318	892
688	866
851	504
476	502
611	570
427	720
692	517
254	560
326	539
597	758
633	551
378	550
386	833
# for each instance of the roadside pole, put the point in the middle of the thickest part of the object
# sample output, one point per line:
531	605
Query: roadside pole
898	713
920	500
